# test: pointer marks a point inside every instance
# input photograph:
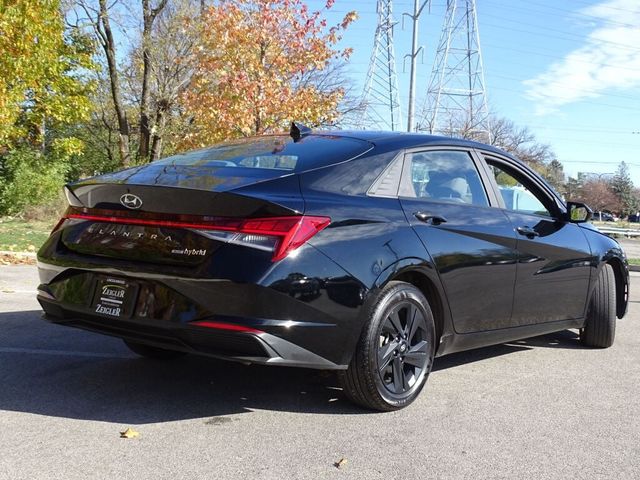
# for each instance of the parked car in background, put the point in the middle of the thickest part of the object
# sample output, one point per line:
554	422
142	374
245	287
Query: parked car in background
604	217
368	253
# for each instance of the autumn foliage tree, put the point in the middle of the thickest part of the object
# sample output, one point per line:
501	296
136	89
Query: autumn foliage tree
599	195
43	91
37	58
253	66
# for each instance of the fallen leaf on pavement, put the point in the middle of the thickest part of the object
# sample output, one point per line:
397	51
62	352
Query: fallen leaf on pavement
340	463
129	433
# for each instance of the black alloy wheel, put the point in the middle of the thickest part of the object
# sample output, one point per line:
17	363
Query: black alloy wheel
395	352
403	348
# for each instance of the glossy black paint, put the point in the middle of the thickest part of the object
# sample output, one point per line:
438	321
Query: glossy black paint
475	247
486	281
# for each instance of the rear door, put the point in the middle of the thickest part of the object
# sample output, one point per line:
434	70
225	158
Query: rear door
554	258
472	245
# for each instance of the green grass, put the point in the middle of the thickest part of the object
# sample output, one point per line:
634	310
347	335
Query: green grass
634	261
19	235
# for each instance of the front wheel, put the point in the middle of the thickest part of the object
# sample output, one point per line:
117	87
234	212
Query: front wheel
395	353
600	325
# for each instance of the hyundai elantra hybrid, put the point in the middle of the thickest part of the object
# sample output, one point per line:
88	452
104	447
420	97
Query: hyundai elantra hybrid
367	253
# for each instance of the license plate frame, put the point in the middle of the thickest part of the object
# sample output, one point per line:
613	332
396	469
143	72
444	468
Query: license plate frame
114	297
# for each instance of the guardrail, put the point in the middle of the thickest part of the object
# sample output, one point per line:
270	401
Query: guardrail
627	232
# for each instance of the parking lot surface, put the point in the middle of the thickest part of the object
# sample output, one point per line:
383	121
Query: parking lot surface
540	408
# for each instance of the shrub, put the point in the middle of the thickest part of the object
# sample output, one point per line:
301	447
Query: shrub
29	178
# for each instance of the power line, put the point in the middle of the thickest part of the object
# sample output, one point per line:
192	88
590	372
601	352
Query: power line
507	6
566	36
542	95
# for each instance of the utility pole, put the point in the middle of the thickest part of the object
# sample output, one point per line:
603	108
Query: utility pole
415	51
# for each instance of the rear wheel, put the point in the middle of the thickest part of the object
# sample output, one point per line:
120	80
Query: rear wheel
149	351
395	352
600	326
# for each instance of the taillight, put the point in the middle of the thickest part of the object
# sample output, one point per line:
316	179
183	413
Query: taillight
280	235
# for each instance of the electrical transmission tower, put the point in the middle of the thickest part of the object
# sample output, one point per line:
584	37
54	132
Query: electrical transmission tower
380	98
456	103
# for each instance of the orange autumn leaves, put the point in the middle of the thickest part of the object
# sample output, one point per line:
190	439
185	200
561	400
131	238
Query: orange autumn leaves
255	69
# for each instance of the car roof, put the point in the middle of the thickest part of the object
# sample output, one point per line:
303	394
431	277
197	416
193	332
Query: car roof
396	140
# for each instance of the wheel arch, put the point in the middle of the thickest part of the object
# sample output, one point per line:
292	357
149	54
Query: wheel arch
423	276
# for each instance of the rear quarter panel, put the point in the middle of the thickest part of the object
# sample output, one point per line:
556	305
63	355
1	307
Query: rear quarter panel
369	237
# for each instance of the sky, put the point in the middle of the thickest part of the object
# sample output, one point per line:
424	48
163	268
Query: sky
569	71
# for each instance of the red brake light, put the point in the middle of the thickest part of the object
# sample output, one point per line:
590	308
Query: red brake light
233	327
281	235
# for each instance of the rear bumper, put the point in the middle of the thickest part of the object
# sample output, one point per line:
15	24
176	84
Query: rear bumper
248	347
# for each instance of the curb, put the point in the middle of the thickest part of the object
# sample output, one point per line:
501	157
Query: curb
634	268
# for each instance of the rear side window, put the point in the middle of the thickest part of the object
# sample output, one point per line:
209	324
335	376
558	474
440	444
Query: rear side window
446	175
274	152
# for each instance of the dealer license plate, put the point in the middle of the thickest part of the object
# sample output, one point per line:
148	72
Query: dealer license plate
114	297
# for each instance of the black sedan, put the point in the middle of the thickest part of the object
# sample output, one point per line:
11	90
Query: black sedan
368	253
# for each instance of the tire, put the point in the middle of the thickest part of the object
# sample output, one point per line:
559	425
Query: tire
600	325
156	353
394	355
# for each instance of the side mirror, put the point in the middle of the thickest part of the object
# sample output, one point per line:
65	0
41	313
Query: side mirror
578	212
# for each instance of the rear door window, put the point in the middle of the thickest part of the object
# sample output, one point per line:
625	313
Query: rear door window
443	175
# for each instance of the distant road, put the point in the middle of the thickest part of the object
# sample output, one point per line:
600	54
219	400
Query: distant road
631	247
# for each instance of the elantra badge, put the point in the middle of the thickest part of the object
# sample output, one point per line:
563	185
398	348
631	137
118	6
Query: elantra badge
131	201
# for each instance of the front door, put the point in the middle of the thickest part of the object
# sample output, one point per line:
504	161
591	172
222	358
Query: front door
554	258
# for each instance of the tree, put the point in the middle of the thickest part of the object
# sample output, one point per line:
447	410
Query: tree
599	195
164	63
555	175
44	90
573	187
99	17
149	15
251	64
146	48
623	188
41	84
520	142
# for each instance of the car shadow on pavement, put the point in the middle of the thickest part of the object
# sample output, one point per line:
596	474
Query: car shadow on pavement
565	339
56	371
568	339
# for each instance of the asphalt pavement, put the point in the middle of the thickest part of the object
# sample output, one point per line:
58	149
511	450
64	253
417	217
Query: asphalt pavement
536	409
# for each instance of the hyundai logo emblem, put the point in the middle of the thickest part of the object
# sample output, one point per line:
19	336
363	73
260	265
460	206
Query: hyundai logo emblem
131	201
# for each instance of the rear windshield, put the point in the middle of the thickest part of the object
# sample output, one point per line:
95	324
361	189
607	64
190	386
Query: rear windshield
275	152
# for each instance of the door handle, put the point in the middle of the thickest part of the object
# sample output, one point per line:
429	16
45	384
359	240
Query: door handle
428	218
527	232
